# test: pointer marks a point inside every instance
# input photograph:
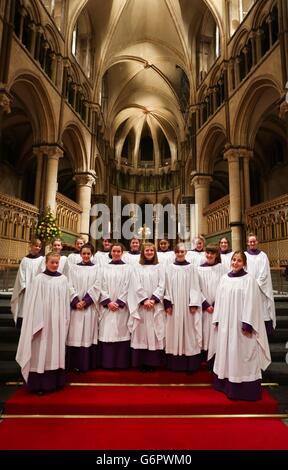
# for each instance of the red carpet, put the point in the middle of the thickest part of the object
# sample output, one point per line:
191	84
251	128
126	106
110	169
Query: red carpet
109	434
137	377
134	400
131	432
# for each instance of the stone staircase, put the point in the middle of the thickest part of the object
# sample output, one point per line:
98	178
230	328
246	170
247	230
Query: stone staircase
277	372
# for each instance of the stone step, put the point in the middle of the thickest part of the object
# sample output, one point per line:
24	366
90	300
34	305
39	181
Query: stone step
9	371
278	352
9	334
281	308
8	351
280	335
276	372
6	319
282	321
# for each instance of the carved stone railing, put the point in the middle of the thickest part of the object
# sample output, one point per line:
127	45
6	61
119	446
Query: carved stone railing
17	222
68	214
217	215
269	220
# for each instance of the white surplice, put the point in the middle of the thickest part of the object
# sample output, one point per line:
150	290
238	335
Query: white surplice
239	358
183	329
83	328
195	257
166	257
258	266
147	326
130	258
209	278
46	317
115	286
226	259
74	258
28	269
101	258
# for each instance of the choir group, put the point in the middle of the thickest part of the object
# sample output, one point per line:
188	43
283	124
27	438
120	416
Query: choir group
147	309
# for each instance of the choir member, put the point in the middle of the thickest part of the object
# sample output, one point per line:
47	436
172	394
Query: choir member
197	255
147	315
242	348
114	335
83	329
259	267
210	273
226	252
164	254
103	257
30	266
46	314
75	257
133	255
182	301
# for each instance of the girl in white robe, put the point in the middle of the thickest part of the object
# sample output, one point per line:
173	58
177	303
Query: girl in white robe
210	274
133	255
103	257
259	267
75	257
82	337
63	264
114	335
147	315
41	349
164	254
242	348
30	266
182	302
226	252
197	255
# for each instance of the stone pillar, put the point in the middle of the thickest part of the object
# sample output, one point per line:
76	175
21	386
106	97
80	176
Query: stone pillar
232	156
84	183
5	106
32	47
246	155
38	152
53	154
201	184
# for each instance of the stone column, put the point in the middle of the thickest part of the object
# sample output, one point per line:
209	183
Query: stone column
53	154
38	152
232	156
201	183
246	155
5	106
84	183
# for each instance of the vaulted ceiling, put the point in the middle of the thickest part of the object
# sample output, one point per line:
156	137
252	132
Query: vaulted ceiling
144	62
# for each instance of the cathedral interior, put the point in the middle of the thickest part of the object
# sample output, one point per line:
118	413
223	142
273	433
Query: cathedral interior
159	102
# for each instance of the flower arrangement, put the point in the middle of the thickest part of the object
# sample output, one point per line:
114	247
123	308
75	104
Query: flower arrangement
47	229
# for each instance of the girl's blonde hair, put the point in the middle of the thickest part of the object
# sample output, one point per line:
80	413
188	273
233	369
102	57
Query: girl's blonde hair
52	254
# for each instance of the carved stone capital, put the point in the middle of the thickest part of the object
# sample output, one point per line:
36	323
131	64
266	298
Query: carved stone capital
232	154
85	179
5	101
200	180
53	152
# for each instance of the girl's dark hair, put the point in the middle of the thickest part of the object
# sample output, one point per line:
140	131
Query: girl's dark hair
117	244
212	248
87	245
